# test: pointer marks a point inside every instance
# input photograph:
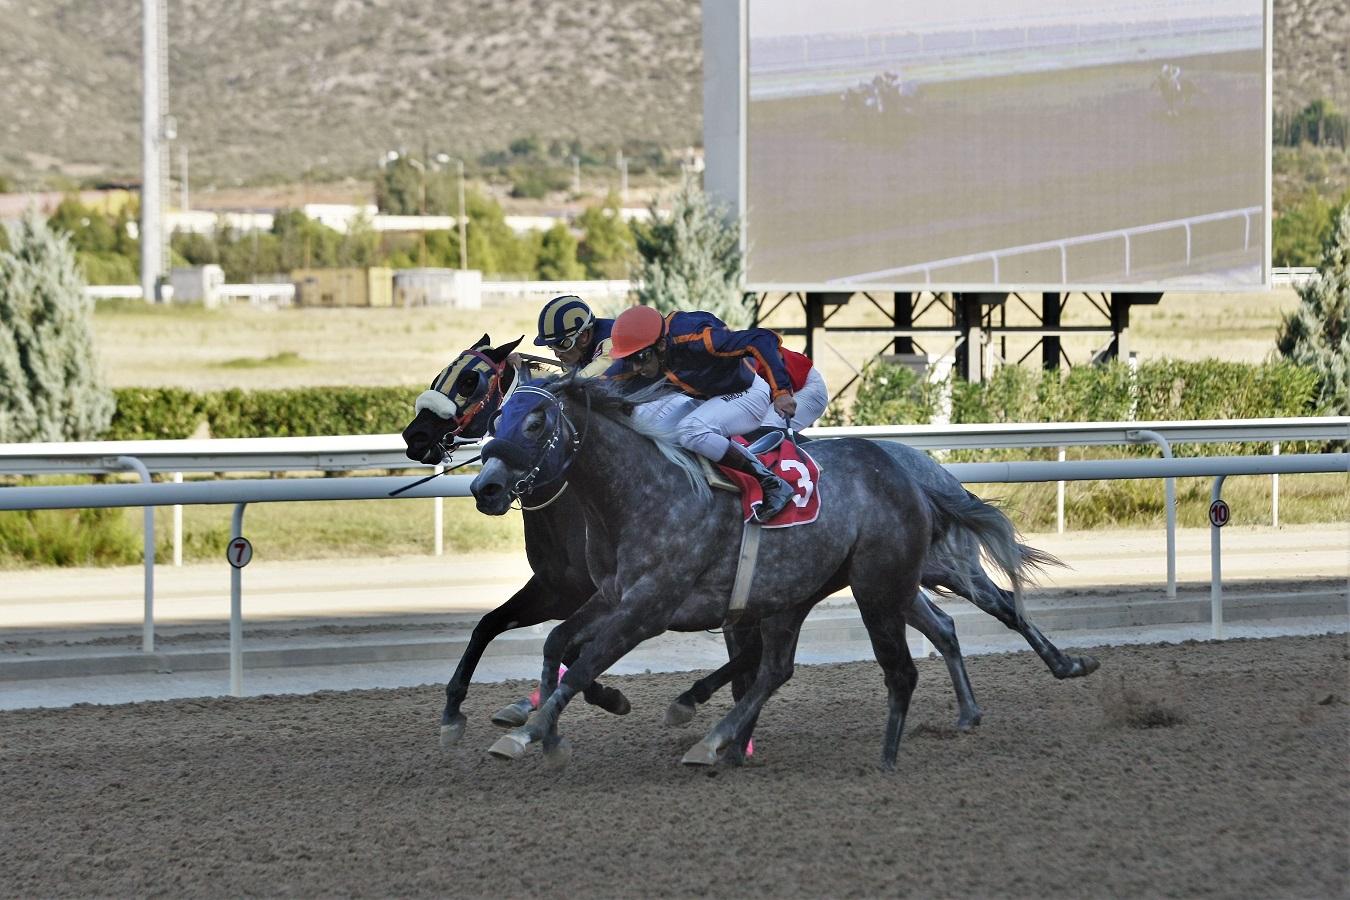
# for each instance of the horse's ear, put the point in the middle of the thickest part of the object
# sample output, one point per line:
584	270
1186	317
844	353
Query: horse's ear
497	354
481	342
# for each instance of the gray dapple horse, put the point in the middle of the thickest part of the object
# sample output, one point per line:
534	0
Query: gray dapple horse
472	388
663	550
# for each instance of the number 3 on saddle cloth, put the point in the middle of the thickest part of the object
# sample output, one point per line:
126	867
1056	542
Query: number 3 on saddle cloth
796	468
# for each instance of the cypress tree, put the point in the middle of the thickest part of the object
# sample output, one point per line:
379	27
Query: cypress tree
691	259
1317	334
49	387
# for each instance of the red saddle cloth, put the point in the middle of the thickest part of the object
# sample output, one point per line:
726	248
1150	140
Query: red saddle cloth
797	469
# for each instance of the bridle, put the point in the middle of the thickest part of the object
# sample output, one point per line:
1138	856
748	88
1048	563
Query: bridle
528	363
494	390
562	427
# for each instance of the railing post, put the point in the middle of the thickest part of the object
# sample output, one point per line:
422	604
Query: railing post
178	525
148	540
1170	500
1059	499
237	609
438	518
1215	567
1275	490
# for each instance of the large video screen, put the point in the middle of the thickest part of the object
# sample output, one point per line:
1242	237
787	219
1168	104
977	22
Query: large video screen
972	144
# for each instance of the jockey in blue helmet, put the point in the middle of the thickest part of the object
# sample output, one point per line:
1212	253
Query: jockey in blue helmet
579	340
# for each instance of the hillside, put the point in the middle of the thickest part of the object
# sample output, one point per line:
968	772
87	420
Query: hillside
272	89
275	87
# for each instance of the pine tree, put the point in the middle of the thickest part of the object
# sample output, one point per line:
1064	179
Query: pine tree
1317	334
49	389
691	259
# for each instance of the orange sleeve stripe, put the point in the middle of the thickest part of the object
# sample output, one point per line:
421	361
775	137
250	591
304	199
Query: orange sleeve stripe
686	388
706	335
774	389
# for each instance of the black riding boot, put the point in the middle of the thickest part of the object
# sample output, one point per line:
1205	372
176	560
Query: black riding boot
777	492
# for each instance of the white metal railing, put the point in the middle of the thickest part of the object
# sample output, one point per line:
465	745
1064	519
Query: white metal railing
241	493
387	451
1063	245
615	288
1292	276
283	293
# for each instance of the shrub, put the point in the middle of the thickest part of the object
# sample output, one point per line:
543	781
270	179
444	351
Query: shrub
1162	390
607	249
891	394
308	411
558	255
1299	232
68	537
155	414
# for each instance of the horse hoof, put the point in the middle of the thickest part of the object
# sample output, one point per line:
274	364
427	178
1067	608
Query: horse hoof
509	746
559	755
680	713
513	715
452	731
700	755
1080	666
616	703
968	724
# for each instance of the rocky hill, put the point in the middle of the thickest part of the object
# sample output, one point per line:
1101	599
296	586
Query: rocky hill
274	88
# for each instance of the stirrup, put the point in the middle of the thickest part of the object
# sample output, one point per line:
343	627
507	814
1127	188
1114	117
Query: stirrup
766	443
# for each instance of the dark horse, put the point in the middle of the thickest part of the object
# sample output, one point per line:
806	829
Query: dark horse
663	550
458	407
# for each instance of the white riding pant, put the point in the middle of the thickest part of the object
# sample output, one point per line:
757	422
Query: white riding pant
706	430
811	402
665	412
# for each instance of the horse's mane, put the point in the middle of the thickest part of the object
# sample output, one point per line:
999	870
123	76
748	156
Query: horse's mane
603	396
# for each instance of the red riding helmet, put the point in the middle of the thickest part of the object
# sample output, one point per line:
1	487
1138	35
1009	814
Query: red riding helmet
636	328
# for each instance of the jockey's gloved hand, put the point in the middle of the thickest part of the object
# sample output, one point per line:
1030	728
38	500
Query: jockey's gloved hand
786	405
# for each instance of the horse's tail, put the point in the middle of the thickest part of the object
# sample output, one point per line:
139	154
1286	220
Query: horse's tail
964	525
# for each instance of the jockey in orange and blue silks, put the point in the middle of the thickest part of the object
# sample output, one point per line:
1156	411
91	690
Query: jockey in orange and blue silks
703	359
574	334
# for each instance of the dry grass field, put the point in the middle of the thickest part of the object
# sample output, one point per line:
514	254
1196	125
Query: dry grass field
251	348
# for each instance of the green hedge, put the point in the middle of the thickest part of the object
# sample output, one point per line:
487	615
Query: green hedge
1163	390
154	413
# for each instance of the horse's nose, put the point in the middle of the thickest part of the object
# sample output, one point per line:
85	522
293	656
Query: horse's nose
490	494
417	441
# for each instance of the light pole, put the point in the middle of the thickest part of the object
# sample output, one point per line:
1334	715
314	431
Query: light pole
461	219
152	150
393	156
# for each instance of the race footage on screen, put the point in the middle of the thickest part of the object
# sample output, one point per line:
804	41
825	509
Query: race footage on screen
1025	142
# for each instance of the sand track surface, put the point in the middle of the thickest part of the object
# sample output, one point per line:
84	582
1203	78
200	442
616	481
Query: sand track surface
1176	770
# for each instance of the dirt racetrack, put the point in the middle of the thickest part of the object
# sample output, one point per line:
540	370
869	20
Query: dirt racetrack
1217	769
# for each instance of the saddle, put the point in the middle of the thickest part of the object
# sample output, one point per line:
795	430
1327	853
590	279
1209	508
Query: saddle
762	440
